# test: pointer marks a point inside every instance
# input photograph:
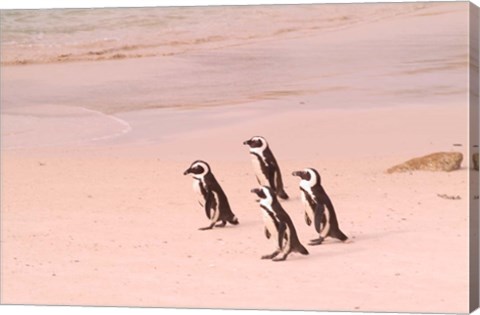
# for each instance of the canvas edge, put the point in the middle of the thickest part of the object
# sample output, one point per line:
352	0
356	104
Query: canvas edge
473	139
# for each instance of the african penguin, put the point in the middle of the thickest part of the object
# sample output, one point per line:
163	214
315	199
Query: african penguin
278	225
316	200
211	195
266	167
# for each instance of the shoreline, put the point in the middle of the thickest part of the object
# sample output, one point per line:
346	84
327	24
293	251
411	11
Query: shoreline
159	127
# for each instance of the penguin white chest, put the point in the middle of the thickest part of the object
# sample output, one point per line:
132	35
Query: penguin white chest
307	190
303	198
257	168
197	183
270	225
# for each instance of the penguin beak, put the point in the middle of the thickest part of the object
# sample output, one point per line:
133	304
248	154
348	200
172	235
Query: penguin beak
255	191
301	174
186	172
247	142
297	173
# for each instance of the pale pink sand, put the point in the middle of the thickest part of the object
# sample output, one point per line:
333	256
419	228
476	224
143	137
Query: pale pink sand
96	211
118	225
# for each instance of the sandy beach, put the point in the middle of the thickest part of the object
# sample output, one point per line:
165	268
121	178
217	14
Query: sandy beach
96	211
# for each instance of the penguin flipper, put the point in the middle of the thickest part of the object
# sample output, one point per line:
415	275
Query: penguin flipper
210	204
279	185
270	177
267	233
307	219
319	216
281	235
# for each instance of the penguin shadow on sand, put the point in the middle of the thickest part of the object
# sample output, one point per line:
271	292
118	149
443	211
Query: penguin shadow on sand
360	237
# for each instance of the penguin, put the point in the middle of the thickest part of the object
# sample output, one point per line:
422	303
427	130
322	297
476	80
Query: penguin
266	167
211	195
318	207
278	225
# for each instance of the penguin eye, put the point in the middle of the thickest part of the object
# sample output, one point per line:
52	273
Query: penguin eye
308	176
198	169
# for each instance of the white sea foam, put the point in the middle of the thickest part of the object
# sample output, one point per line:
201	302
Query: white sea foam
84	34
22	130
126	127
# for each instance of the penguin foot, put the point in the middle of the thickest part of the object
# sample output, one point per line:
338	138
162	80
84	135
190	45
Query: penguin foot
221	224
316	241
284	257
206	228
271	256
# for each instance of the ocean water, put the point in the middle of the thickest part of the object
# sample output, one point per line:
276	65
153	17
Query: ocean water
59	35
145	73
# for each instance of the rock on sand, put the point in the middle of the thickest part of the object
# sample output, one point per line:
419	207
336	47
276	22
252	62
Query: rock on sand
440	161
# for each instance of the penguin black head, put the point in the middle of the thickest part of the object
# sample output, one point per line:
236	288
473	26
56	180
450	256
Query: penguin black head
259	192
198	169
256	142
309	175
265	194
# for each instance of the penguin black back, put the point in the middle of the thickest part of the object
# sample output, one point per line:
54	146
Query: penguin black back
318	206
265	165
212	196
281	225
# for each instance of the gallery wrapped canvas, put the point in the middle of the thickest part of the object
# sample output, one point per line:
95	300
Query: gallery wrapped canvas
332	149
